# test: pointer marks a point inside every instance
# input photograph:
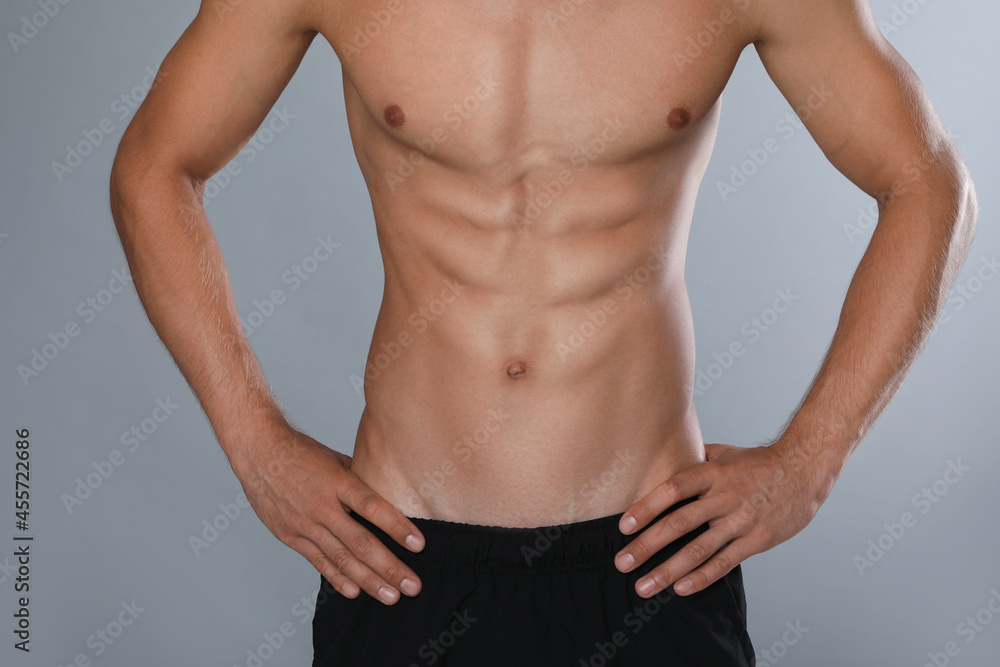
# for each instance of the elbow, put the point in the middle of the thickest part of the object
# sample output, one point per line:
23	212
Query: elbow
963	207
117	188
970	209
959	217
126	178
949	194
141	179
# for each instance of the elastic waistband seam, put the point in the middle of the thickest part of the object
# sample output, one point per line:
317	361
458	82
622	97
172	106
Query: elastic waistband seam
442	566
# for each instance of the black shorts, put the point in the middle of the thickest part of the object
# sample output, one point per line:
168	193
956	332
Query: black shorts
548	596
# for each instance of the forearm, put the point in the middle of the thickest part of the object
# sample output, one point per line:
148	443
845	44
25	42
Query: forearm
894	299
182	282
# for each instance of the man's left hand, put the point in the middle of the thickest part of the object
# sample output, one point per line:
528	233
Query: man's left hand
753	498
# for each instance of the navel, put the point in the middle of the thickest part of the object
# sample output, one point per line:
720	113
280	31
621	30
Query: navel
394	115
678	118
516	370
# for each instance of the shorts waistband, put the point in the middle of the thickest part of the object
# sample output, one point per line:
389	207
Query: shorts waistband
564	547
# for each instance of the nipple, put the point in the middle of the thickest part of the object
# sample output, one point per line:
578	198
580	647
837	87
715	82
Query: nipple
516	370
678	118
394	115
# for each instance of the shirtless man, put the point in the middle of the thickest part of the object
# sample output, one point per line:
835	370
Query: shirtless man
529	470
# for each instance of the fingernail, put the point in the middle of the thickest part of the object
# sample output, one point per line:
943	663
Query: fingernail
409	587
682	586
645	586
625	562
351	589
414	542
628	525
387	594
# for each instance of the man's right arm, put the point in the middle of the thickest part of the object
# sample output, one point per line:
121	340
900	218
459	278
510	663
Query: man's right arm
212	91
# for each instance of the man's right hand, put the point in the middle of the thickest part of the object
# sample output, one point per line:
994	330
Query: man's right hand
303	492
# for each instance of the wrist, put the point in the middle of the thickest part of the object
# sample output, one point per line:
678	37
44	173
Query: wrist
247	441
816	463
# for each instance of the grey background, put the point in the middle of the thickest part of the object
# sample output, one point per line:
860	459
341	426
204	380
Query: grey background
785	229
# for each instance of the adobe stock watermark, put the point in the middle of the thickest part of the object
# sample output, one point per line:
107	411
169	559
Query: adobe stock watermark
121	108
773	654
964	290
923	501
294	277
899	16
365	35
88	310
273	641
634	620
597	317
581	157
131	441
33	23
454	117
695	45
565	9
213	527
223	7
968	629
433	481
740	174
752	330
435	648
419	321
547	536
106	636
274	124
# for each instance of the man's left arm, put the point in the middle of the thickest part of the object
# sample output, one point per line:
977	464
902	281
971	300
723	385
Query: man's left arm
871	116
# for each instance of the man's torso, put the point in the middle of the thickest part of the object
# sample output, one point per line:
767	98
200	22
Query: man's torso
533	168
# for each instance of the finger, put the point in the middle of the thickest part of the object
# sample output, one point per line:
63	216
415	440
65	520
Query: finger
685	484
674	525
350	555
369	562
359	497
325	566
680	566
717	567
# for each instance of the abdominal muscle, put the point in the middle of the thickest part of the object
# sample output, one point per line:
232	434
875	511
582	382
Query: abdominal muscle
528	372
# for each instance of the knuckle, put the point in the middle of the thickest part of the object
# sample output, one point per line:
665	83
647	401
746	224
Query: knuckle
320	562
672	486
723	562
341	558
675	524
391	572
697	551
361	544
368	504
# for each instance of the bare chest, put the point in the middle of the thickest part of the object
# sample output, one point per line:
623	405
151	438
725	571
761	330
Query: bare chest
482	80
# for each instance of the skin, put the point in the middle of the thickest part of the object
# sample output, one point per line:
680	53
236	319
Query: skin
535	330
